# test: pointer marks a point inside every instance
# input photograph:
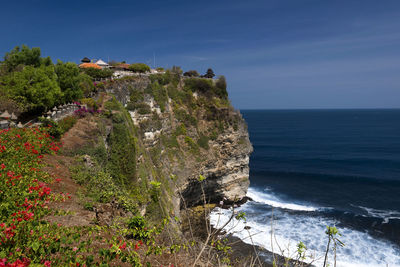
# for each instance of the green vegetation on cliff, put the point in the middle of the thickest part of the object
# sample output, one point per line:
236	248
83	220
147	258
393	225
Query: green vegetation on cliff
124	166
31	83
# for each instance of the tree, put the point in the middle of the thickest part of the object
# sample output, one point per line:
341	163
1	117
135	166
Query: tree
199	85
139	67
191	73
22	56
35	89
86	84
220	87
73	83
98	73
209	74
176	70
68	77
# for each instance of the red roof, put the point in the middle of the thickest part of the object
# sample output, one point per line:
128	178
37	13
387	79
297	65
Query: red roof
123	66
89	65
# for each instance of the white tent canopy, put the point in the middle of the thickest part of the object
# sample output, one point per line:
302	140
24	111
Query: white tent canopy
101	63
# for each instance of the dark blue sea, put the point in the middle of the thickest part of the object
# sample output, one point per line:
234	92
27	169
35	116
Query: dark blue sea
313	168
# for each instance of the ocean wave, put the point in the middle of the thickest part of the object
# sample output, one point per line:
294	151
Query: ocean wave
272	200
386	215
360	249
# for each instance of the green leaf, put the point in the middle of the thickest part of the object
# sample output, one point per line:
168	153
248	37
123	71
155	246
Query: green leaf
201	178
35	246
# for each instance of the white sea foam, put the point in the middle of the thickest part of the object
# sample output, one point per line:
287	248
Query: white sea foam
360	248
386	215
271	200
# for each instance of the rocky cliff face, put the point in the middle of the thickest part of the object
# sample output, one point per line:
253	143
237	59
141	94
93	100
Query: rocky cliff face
183	132
226	169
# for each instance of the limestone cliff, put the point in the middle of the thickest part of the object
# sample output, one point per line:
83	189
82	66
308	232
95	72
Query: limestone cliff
186	128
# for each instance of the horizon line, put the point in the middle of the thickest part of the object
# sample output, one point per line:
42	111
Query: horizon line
318	108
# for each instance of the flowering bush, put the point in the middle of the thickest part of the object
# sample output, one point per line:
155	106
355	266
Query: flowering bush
82	111
25	236
24	195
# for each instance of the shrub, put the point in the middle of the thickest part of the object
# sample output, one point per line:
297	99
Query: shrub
220	87
98	74
176	70
162	79
112	104
35	89
155	191
141	108
136	96
90	102
139	67
169	141
159	94
122	154
180	130
173	91
199	85
53	128
213	135
191	73
138	226
203	142
184	117
67	123
82	112
25	194
117	118
194	148
99	85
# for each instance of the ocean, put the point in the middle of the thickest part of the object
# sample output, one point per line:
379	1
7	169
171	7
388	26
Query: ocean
314	168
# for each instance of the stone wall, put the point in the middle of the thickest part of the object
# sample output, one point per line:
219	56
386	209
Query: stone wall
57	113
62	111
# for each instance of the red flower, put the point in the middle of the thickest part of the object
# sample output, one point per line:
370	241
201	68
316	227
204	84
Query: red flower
123	246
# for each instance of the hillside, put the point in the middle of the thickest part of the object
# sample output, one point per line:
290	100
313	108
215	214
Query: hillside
158	145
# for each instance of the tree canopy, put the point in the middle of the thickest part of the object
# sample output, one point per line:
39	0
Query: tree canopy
98	73
139	67
191	73
36	89
22	56
30	83
73	83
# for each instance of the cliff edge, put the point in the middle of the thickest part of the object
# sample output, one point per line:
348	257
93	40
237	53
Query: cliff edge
186	127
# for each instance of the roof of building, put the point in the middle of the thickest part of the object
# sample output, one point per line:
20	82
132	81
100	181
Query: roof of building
89	65
101	63
85	60
5	115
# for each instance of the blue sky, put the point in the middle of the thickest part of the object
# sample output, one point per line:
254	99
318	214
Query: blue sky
274	54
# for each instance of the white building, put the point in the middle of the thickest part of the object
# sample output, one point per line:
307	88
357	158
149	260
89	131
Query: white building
102	64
